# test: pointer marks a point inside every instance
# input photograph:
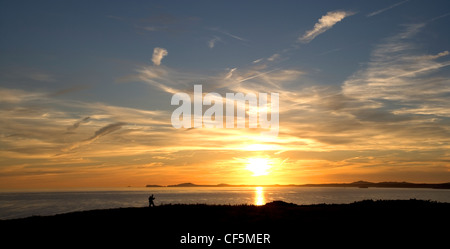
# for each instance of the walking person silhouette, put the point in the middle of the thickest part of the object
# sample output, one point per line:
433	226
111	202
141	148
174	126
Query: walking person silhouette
150	201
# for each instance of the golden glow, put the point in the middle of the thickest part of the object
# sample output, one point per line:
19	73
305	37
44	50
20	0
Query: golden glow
259	196
260	147
258	166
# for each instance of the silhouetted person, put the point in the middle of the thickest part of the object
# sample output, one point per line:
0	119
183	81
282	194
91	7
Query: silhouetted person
150	201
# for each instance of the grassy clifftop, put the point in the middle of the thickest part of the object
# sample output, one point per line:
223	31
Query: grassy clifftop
394	222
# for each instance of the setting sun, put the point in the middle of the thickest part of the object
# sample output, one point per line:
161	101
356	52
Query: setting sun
259	166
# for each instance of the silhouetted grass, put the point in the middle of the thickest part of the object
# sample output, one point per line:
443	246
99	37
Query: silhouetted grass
382	222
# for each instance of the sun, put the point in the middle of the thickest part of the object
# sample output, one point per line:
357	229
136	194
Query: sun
258	166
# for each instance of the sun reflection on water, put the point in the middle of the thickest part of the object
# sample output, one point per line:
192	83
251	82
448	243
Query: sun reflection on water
259	196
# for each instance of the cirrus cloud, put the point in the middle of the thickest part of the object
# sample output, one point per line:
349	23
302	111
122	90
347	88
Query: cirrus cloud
325	23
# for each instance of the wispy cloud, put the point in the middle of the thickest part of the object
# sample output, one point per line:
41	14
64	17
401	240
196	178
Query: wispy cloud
106	130
240	38
433	57
68	90
166	79
257	60
385	9
158	55
274	57
78	123
99	133
325	23
409	95
14	73
230	73
258	74
17	96
212	42
439	17
36	125
397	71
151	28
44	77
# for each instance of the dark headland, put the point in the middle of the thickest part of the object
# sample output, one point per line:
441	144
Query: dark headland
358	184
364	224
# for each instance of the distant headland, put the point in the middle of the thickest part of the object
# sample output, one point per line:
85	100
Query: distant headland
358	184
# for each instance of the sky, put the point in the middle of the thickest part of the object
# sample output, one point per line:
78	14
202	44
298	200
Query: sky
86	89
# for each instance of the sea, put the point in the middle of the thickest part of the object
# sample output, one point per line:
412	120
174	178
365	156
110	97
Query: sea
20	204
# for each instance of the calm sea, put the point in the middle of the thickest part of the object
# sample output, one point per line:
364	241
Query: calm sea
15	204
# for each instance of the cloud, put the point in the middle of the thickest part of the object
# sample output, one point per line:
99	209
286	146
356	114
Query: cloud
325	23
212	42
256	75
387	8
274	57
17	96
358	115
230	73
106	130
409	92
44	77
37	126
397	71
158	55
432	57
99	133
68	90
229	34
25	74
151	28
77	124
165	79
258	60
439	17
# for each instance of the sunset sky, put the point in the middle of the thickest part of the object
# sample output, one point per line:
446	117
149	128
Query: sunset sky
86	88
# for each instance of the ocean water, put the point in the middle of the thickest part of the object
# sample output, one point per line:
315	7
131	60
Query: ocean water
18	204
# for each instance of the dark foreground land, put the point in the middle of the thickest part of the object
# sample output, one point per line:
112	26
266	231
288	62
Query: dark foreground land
365	224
